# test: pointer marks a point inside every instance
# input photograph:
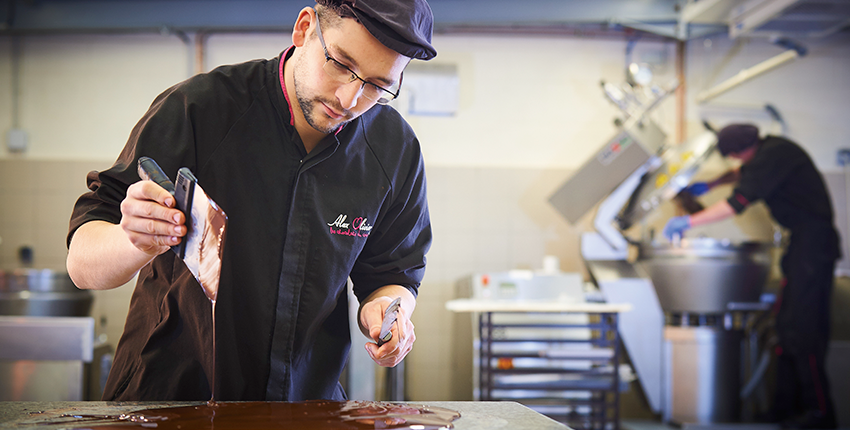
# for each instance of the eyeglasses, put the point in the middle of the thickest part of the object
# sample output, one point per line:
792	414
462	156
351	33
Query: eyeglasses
342	74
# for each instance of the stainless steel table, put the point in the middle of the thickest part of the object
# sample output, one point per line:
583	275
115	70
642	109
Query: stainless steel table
474	415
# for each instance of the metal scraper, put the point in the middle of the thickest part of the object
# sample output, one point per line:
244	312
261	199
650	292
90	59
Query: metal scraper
390	316
206	222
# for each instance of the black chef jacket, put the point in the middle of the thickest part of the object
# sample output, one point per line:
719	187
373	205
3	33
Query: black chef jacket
299	225
783	175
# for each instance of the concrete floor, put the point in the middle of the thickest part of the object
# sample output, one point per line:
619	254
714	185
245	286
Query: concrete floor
639	424
655	425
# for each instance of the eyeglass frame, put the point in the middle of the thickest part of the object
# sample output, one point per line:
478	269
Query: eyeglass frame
354	76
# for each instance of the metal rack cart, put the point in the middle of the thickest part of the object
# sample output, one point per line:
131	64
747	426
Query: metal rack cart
558	358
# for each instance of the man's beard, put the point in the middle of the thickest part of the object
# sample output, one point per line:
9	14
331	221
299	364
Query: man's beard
308	109
311	116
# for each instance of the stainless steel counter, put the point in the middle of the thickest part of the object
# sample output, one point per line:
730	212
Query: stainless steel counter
474	415
45	358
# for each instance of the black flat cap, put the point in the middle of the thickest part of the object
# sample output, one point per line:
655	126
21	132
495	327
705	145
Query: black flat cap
735	138
405	26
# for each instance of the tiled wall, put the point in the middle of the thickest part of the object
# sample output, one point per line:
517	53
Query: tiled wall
36	199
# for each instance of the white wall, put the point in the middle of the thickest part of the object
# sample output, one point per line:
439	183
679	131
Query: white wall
812	93
525	101
530	101
81	95
236	48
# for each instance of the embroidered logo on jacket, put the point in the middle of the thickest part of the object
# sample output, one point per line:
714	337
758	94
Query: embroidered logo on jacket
358	227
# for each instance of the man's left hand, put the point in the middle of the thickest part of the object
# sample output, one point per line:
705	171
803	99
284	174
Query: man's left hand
392	352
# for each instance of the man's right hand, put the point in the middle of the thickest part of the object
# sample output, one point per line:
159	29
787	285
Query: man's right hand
150	219
103	255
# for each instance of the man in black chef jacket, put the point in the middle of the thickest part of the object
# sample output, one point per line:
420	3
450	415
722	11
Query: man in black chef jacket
322	183
780	173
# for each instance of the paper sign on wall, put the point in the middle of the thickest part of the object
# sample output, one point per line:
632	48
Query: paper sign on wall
432	89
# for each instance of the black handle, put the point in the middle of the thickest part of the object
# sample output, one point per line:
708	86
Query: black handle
149	170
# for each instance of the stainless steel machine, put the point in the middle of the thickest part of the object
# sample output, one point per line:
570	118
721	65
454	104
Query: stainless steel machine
684	333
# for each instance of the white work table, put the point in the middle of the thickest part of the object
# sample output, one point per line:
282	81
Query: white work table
482	305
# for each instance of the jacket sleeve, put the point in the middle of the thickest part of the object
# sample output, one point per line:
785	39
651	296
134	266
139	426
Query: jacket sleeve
395	251
762	176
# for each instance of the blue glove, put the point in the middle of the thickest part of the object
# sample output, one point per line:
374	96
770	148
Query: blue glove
697	188
677	226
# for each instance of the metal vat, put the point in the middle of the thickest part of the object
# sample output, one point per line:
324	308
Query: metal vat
704	275
43	293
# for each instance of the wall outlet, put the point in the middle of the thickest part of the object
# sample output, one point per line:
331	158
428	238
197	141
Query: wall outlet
843	157
17	140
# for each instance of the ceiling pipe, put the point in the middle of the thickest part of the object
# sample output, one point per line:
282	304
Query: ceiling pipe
16	55
681	90
140	30
200	51
794	51
609	31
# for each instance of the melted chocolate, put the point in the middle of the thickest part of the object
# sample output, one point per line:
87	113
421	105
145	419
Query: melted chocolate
212	377
309	415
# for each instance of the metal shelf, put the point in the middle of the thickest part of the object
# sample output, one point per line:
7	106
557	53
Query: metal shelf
577	386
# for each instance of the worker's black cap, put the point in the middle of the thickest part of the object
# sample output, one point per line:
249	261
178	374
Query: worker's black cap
735	138
405	26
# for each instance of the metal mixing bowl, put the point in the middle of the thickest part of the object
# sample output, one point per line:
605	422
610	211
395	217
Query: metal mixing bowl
704	275
42	292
